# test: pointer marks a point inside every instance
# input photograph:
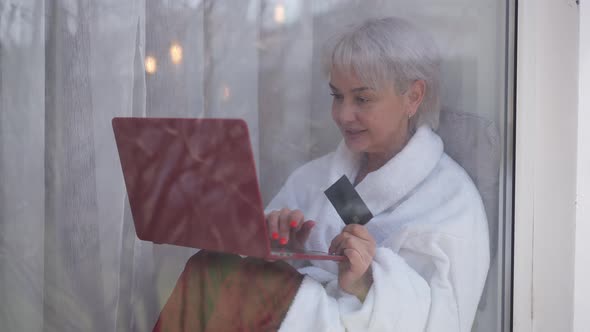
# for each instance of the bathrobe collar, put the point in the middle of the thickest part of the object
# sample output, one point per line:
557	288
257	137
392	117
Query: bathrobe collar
398	178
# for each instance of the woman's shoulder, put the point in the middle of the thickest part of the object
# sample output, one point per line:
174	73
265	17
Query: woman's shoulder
463	186
449	202
455	177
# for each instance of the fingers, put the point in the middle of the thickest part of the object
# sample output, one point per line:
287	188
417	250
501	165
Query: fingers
353	230
305	228
272	220
285	219
354	237
338	242
357	263
282	224
358	231
346	241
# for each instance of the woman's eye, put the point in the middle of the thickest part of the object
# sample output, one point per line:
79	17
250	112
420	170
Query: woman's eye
361	100
336	96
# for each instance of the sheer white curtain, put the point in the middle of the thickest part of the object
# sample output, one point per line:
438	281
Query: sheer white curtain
69	257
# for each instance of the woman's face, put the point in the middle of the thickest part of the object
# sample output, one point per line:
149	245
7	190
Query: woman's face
372	121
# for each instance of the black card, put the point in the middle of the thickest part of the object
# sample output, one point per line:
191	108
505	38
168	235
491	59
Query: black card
348	203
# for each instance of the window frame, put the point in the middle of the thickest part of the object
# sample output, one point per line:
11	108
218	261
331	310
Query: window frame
545	179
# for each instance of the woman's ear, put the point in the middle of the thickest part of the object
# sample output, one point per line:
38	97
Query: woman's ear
414	96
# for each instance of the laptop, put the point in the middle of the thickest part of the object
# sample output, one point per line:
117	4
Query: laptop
193	183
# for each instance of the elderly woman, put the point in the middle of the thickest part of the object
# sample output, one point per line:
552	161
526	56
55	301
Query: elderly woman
419	264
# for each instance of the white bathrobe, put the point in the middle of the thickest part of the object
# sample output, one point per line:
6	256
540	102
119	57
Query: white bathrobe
432	243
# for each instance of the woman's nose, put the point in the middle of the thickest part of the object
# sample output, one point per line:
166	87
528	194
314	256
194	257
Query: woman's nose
345	113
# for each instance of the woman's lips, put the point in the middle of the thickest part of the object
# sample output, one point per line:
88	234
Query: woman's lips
354	133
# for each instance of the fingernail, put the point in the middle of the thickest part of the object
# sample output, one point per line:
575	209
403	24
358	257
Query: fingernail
275	236
293	224
283	241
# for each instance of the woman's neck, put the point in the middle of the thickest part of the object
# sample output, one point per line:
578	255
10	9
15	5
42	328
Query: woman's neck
372	161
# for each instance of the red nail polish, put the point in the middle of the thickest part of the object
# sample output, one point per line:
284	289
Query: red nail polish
293	224
275	236
283	241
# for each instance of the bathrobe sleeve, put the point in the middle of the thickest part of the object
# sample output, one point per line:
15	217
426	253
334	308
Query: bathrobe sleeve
431	285
423	288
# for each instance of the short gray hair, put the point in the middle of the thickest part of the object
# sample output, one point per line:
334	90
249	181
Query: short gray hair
391	50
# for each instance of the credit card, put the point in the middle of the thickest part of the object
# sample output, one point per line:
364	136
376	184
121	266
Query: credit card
348	203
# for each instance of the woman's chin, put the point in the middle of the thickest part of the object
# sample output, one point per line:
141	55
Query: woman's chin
355	146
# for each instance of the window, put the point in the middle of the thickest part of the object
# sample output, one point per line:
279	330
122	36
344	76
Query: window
68	246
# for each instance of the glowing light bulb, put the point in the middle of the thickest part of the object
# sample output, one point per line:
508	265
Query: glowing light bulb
176	53
279	14
226	92
151	65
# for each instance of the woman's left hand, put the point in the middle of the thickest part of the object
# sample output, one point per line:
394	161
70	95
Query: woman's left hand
354	274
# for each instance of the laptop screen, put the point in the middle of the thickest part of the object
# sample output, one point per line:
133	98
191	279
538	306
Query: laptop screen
192	183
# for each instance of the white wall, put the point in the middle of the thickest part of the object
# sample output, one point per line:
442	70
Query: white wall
582	267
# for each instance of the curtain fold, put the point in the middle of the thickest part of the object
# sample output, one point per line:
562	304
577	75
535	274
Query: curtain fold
22	153
73	284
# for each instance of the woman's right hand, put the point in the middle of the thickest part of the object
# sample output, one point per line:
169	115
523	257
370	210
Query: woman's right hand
288	228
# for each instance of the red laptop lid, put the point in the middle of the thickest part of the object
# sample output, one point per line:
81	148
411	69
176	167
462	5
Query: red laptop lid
192	183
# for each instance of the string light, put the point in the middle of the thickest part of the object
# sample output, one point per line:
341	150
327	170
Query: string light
176	53
151	64
279	14
226	92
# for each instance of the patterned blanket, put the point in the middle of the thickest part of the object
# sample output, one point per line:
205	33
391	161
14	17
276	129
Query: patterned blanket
221	292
